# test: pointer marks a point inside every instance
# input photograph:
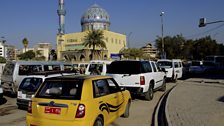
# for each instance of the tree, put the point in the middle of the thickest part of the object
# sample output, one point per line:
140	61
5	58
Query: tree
173	46
2	59
27	55
94	39
132	53
25	43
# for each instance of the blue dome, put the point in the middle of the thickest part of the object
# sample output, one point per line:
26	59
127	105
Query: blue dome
95	14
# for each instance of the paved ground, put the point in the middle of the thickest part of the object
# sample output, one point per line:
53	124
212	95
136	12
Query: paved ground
196	102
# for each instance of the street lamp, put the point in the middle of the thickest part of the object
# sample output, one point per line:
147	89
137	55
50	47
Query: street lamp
128	44
163	56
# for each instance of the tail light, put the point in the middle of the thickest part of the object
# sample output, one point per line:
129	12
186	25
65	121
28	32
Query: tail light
142	80
29	110
80	111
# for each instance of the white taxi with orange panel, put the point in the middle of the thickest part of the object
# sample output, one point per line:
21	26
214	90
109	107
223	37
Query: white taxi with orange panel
78	101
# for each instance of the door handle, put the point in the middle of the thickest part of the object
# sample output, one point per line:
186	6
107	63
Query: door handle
101	102
115	96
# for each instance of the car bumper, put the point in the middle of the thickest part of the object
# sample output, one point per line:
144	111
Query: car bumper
35	121
135	90
22	103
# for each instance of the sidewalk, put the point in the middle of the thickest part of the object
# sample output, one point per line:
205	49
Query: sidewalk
196	102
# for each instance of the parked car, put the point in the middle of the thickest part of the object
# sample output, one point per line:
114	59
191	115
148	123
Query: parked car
78	101
139	77
15	71
173	67
30	84
80	67
196	67
97	67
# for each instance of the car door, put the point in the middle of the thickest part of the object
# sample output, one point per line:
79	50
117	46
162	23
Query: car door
157	75
109	100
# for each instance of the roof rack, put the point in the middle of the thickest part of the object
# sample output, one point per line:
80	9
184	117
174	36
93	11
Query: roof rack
46	73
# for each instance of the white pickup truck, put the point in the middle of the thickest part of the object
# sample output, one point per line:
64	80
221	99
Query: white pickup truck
139	77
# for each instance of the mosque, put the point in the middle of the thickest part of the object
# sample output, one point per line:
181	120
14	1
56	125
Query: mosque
69	45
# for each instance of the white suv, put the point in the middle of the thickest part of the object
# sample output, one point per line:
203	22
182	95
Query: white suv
97	67
29	86
139	77
174	68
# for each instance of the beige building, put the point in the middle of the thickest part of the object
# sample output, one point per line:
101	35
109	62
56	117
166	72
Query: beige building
43	49
69	46
149	50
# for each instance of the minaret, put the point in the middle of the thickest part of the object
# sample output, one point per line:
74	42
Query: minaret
61	13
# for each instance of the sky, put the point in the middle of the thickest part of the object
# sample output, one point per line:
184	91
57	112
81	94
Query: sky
140	20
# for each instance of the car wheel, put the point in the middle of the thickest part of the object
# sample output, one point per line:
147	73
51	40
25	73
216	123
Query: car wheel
98	122
164	85
149	93
175	78
127	110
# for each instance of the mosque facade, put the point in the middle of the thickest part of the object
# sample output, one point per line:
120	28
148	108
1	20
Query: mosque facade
69	46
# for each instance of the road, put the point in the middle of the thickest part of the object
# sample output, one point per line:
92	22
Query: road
140	113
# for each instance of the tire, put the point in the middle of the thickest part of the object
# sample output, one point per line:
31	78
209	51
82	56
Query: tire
163	88
175	79
98	122
149	94
127	110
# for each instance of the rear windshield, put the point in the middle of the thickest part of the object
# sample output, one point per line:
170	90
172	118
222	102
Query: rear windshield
98	67
30	84
61	89
125	67
165	64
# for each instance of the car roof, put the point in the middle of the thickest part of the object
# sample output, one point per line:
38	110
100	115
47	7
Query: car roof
80	77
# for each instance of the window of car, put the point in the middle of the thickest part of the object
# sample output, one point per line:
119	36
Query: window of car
104	87
61	89
154	67
176	64
126	67
30	84
147	67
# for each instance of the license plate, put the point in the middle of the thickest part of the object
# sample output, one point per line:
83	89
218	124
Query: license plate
51	110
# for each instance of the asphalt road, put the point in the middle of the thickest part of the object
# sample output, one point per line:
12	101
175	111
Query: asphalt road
140	113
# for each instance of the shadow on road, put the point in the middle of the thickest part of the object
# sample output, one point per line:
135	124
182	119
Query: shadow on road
221	99
205	75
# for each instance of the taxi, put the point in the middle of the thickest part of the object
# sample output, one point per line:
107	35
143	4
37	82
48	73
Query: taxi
83	100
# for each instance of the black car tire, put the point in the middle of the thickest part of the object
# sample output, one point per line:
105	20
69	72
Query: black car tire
127	110
98	122
149	94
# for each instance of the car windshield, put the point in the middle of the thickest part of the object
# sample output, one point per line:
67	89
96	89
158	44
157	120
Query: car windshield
124	67
98	67
61	89
30	84
165	64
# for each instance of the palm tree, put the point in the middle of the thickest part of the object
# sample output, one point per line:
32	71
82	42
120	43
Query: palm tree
94	39
25	43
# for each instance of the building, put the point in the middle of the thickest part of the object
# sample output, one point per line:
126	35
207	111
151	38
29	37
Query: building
7	51
69	46
43	49
40	49
149	50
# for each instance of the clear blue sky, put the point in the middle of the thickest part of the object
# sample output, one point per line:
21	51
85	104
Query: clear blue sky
38	21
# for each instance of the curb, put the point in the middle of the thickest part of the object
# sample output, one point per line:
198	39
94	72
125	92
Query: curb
166	106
